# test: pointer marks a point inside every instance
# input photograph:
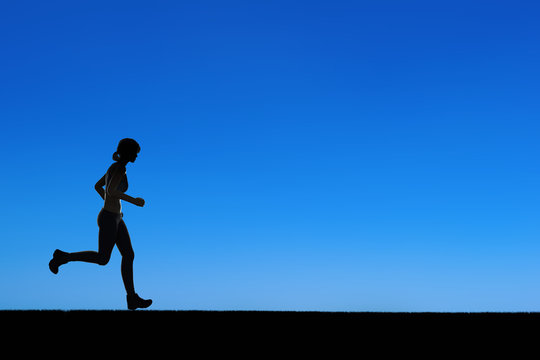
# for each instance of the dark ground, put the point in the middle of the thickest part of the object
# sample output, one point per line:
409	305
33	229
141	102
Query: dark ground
268	334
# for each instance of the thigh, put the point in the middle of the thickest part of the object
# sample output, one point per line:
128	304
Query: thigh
108	231
123	241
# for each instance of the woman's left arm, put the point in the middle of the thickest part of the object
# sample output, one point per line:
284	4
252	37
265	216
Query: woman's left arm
99	187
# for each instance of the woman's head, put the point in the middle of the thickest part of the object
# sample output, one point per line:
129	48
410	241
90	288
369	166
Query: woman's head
127	150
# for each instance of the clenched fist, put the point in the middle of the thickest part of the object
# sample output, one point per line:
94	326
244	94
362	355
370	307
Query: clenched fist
139	202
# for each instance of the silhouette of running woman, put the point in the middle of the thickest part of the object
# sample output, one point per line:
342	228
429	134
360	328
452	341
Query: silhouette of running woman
112	229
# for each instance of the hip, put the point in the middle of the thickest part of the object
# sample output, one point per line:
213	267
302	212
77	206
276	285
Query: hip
109	216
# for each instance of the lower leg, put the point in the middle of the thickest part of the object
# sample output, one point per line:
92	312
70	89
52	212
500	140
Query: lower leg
127	274
86	256
124	245
134	301
61	257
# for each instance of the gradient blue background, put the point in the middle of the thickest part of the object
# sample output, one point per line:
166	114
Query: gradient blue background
296	155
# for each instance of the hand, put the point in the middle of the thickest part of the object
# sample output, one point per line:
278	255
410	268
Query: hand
139	202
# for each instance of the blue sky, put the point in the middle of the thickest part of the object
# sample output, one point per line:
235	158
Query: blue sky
296	155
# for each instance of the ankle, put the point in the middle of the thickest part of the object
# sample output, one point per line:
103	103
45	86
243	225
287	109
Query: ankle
61	257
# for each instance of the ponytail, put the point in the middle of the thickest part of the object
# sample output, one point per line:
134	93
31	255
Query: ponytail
116	156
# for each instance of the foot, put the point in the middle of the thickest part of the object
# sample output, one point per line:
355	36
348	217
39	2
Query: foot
59	258
134	302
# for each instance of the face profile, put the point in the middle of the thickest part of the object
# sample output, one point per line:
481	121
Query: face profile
127	151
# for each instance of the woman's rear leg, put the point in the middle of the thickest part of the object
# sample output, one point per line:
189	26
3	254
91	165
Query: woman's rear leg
107	238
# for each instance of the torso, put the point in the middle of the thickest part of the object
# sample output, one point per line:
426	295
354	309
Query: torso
113	204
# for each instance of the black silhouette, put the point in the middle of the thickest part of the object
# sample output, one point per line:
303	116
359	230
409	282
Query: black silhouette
112	229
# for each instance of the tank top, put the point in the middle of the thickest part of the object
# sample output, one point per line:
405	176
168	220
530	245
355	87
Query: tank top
123	186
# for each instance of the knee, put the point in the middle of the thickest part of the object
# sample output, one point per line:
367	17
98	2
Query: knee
103	259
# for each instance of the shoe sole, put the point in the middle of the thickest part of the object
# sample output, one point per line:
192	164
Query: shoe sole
139	307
